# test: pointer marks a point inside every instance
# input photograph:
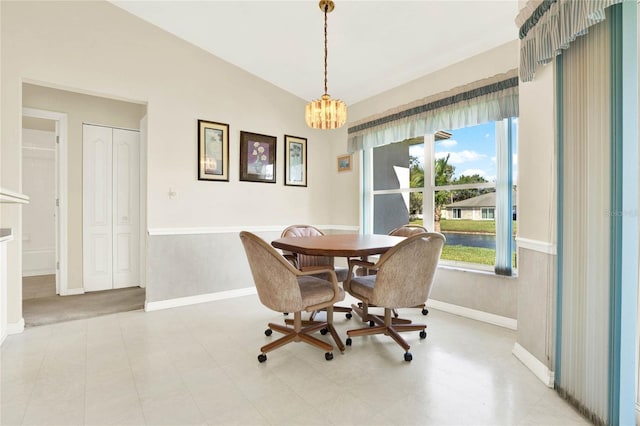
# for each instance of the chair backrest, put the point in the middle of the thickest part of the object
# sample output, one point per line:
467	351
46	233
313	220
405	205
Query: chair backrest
303	259
406	271
408	230
275	279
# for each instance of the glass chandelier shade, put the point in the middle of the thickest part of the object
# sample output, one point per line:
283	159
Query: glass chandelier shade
326	113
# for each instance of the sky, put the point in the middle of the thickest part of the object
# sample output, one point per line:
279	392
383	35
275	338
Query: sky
472	150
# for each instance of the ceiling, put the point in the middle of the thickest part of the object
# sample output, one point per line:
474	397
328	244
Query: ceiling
373	45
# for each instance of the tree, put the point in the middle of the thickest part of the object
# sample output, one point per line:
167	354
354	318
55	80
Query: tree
443	175
464	194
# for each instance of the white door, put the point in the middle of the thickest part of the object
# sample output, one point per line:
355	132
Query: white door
126	208
110	208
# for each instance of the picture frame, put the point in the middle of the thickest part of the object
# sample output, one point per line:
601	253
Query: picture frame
257	157
344	163
295	161
213	151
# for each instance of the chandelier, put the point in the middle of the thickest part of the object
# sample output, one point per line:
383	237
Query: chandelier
326	113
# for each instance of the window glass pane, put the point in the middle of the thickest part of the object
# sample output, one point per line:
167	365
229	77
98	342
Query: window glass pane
389	212
468	156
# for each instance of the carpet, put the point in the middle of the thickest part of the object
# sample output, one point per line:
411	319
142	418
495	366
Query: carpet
52	309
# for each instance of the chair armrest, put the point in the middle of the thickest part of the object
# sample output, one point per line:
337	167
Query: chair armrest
333	279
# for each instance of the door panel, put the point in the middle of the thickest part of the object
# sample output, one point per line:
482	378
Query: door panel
97	213
126	208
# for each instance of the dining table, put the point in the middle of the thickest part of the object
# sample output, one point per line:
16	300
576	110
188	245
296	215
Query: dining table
338	245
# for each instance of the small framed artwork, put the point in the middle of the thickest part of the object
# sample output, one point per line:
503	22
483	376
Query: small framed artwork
213	151
257	157
344	163
295	161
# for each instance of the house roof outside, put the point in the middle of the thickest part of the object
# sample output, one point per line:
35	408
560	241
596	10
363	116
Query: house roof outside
484	200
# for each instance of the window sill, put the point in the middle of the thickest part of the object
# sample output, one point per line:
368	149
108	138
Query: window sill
472	267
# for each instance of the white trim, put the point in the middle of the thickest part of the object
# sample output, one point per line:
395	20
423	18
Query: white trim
38	272
61	191
7	196
72	291
201	298
15	327
236	229
538	368
498	320
536	245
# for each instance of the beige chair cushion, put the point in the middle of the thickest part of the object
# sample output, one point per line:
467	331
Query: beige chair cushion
315	291
362	287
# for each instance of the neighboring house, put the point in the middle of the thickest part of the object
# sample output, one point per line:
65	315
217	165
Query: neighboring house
482	207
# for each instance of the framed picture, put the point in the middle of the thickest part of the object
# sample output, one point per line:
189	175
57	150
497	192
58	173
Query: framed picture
257	157
344	163
213	151
295	161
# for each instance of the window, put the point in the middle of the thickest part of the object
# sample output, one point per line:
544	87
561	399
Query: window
488	213
456	194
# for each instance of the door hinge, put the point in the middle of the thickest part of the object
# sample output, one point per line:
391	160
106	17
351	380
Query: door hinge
58	265
57	202
57	139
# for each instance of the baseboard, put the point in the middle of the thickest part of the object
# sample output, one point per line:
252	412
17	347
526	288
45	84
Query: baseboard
38	272
15	327
538	368
201	298
501	321
71	291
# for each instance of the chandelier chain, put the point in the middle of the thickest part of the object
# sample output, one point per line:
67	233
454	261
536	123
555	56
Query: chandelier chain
326	7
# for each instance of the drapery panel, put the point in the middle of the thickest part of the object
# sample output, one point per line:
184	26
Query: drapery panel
549	26
583	364
491	99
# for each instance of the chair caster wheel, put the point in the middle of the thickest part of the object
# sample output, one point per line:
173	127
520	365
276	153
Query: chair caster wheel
371	323
349	316
328	356
268	332
423	334
262	358
348	341
323	332
408	357
425	311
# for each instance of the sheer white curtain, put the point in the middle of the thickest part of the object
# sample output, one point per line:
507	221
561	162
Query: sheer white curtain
585	224
491	99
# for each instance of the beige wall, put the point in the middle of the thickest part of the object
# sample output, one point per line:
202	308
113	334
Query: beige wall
80	109
97	48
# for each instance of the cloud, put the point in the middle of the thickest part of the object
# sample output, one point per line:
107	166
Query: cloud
461	156
448	143
493	159
514	159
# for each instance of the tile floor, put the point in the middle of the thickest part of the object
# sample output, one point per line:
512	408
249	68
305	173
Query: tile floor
197	365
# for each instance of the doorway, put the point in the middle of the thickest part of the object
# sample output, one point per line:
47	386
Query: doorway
40	307
44	179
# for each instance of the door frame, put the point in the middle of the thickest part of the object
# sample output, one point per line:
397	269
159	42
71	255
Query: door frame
60	120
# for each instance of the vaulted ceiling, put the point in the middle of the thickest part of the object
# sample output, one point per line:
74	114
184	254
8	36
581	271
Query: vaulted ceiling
373	45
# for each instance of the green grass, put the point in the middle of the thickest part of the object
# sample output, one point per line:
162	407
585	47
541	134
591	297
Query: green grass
483	256
466	225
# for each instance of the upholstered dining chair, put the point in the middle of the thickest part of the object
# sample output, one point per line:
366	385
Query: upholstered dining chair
409	230
308	263
283	288
404	278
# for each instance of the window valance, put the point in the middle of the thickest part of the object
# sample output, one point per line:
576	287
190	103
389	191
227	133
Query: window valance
491	99
549	26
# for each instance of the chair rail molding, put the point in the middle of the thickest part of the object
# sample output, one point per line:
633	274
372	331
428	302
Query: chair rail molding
537	245
236	229
7	196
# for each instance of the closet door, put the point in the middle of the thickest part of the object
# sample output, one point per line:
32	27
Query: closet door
111	208
97	267
126	208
